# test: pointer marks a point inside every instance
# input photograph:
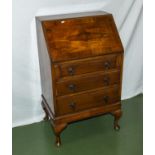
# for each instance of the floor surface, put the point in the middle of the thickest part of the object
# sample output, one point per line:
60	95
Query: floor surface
94	136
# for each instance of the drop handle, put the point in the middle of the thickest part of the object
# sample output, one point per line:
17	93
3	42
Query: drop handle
106	80
106	99
72	105
107	65
71	71
72	87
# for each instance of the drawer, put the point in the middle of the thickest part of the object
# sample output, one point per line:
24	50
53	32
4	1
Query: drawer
77	67
91	99
93	81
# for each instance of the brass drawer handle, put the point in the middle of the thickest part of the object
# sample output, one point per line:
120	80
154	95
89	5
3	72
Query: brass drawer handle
107	65
71	71
106	80
106	99
72	105
72	87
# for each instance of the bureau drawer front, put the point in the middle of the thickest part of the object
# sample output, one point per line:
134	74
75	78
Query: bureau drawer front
74	85
79	102
78	67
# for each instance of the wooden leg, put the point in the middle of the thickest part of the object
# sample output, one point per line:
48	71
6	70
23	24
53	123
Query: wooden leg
117	115
46	113
58	128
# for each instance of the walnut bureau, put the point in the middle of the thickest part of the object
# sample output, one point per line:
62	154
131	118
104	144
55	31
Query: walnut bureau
81	60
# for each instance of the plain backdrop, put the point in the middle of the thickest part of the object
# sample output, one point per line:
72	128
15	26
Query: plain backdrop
26	76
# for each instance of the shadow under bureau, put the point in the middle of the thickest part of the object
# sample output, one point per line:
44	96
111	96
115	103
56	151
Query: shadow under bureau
81	59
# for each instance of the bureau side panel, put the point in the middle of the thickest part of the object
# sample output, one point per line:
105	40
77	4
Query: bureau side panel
45	67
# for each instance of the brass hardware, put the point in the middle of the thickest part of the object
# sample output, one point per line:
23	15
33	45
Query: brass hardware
106	80
72	87
71	71
107	65
105	99
72	105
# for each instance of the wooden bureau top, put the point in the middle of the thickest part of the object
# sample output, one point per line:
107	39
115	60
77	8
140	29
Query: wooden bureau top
81	37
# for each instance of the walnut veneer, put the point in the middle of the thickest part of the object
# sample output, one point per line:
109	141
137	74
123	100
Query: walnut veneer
81	68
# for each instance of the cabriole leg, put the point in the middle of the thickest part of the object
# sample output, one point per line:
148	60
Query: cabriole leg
117	115
58	128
